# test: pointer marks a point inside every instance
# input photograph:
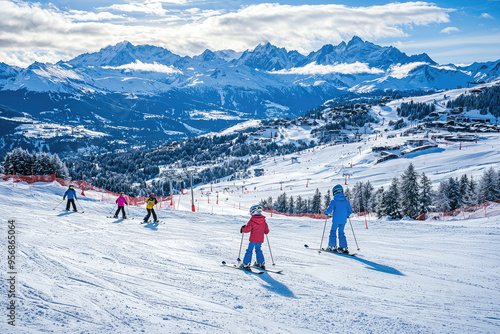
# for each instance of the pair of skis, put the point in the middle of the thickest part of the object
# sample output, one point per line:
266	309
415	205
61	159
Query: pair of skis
251	269
330	251
152	222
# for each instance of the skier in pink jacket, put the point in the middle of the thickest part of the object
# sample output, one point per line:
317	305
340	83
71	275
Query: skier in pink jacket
257	227
121	201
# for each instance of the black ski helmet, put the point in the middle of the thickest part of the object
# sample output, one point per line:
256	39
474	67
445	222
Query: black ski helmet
337	189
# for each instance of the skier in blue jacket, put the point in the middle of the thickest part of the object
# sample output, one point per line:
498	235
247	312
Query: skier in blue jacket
71	194
340	209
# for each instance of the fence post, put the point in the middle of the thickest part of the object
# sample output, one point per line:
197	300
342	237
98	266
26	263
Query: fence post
484	201
83	186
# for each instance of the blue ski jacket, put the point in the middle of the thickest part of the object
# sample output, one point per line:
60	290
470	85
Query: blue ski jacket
70	193
340	208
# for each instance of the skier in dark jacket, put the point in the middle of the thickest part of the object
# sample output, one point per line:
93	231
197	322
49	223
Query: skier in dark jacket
340	209
71	194
257	227
151	202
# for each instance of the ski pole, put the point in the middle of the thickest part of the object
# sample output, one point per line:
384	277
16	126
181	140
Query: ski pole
353	233
321	244
58	204
158	214
270	250
112	209
241	244
81	207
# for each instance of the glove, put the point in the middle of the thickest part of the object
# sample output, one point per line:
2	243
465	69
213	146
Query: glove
241	229
64	198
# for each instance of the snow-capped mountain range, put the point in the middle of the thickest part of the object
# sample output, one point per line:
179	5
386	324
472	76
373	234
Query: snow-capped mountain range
357	66
149	93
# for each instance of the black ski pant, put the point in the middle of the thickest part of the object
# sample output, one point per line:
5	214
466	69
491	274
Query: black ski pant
151	211
120	208
72	201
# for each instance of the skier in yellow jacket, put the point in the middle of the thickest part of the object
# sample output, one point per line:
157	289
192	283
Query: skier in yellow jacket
151	202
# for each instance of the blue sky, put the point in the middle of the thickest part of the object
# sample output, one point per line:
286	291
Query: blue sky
459	31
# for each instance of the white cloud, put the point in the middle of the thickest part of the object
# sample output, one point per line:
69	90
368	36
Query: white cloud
79	15
344	68
48	30
144	67
149	8
449	30
308	27
401	71
486	16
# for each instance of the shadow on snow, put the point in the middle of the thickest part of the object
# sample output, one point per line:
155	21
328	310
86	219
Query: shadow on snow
275	286
379	267
152	226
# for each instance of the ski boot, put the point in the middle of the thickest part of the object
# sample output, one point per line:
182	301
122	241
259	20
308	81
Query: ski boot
331	249
245	266
343	250
260	265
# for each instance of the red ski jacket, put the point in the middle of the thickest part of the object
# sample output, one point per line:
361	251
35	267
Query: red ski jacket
258	227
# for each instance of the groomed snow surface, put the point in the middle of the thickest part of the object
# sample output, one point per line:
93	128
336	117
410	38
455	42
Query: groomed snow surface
85	273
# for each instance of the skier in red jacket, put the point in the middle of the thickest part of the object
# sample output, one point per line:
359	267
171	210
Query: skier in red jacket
257	227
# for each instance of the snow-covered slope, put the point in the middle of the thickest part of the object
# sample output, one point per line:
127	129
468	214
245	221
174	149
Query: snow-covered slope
84	273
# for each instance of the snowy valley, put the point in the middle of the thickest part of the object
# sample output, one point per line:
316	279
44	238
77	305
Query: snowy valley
85	273
128	95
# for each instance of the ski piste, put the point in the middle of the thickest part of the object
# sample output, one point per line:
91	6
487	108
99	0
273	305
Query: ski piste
239	268
324	250
269	270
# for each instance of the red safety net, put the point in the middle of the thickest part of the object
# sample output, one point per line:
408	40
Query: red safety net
97	193
457	213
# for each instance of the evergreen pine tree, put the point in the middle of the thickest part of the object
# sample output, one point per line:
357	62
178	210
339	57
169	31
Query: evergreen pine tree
316	202
357	197
18	161
328	199
463	185
367	196
59	167
425	195
348	195
489	189
409	192
41	165
441	199
300	205
470	196
453	193
281	203
378	200
291	205
391	200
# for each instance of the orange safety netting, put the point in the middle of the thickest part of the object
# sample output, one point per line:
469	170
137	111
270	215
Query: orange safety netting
456	212
106	195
